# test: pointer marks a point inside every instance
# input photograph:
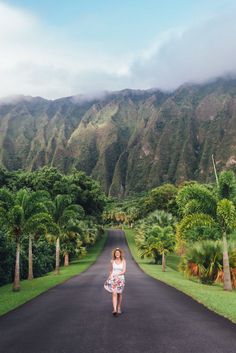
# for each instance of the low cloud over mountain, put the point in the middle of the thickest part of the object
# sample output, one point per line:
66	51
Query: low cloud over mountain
41	59
130	140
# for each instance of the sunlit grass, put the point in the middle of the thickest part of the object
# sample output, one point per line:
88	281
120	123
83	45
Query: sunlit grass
213	297
30	289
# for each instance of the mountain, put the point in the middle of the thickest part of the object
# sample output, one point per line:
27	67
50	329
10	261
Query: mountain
130	140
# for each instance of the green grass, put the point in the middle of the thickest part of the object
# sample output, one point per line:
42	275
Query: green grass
213	297
29	289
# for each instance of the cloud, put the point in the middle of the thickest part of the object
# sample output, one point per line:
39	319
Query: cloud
194	54
40	60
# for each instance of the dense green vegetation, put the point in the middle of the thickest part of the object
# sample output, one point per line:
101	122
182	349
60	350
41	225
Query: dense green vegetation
212	296
196	221
189	229
30	289
46	217
130	141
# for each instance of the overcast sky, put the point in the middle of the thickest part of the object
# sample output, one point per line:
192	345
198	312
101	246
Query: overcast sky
60	48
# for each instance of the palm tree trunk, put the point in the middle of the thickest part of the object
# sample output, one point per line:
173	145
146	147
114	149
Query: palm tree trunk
66	259
30	259
16	283
57	269
226	269
163	262
156	257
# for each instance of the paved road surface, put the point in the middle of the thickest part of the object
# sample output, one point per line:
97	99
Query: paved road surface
75	317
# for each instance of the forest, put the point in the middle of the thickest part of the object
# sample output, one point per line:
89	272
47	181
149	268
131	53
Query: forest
46	219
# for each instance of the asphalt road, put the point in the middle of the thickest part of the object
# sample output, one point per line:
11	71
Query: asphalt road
75	317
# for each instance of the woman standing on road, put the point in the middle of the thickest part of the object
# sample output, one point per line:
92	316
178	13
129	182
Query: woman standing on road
116	281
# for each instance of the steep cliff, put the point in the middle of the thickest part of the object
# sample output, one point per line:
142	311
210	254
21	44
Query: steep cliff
129	140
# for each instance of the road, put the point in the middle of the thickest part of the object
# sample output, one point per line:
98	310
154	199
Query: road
75	317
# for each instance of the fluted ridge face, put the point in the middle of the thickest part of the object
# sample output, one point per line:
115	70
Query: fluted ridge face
129	140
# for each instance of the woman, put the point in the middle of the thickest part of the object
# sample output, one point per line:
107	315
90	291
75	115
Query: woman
117	279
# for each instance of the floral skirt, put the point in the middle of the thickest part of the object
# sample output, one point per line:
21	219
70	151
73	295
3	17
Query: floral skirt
115	284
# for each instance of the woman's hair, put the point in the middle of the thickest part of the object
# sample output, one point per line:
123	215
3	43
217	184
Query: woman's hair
120	251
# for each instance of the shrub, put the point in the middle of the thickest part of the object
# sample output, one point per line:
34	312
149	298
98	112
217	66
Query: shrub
204	260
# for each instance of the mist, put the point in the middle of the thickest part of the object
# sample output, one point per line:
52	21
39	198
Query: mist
40	61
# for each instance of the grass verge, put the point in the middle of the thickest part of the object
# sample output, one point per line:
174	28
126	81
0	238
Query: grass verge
213	297
10	300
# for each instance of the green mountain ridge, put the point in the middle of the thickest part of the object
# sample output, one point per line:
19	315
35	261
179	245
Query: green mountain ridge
130	140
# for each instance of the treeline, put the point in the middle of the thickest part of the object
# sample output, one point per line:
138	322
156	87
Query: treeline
46	217
194	220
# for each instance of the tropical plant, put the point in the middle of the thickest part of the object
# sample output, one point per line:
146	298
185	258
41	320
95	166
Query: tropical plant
156	241
163	198
158	217
132	214
227	185
21	215
79	188
7	257
71	242
199	233
38	222
63	212
201	206
204	260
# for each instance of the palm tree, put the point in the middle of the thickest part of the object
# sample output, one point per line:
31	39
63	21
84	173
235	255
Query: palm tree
20	212
12	210
63	211
157	241
38	225
201	206
38	222
226	214
160	217
70	241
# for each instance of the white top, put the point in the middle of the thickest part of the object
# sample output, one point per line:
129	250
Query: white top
117	268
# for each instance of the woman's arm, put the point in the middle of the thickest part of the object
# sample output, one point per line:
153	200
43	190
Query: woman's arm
124	268
111	268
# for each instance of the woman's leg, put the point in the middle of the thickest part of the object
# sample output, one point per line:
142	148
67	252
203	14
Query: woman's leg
119	300
114	300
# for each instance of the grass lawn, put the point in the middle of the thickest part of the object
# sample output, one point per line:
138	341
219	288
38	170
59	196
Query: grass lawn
29	289
213	297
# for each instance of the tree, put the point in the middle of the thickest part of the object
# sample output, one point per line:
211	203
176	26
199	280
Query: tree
7	256
226	215
41	179
132	215
159	217
227	185
201	206
12	211
163	198
63	211
21	214
37	221
71	242
38	225
81	191
157	241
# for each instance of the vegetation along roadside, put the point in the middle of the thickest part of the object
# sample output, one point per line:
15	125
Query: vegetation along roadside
212	296
10	300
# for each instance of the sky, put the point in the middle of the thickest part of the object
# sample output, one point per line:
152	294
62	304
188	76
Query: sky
60	48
